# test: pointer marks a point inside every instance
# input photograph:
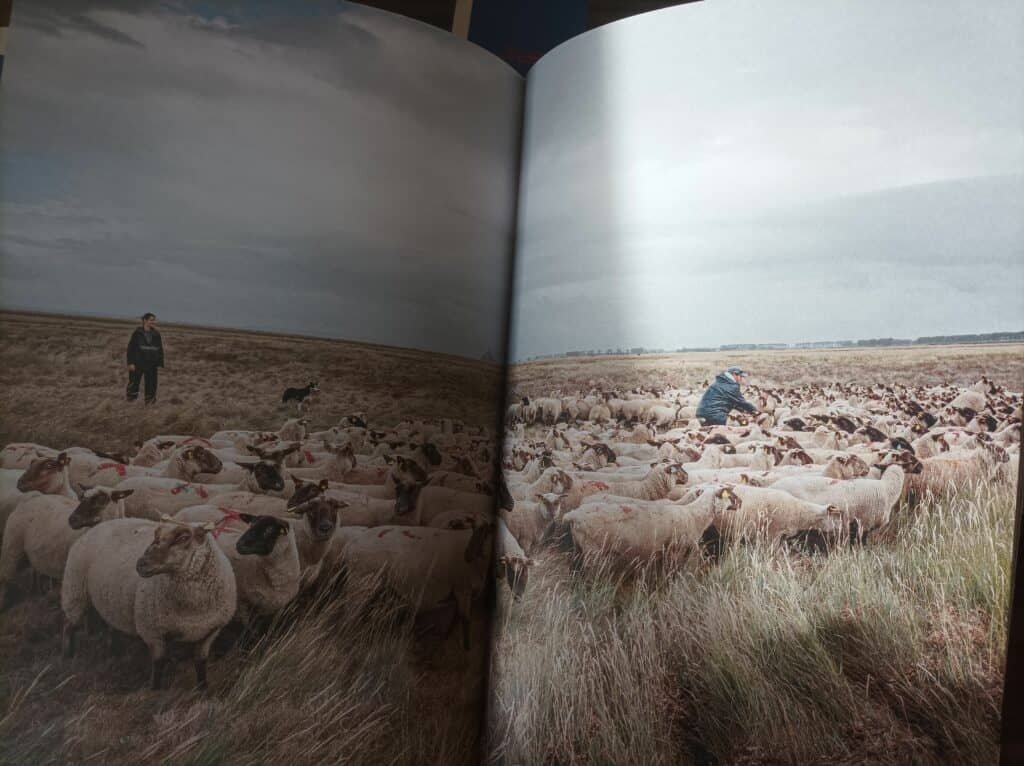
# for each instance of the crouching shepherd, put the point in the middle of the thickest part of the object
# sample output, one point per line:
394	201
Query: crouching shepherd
145	356
722	397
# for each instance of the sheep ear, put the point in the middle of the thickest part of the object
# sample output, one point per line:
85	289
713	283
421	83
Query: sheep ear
248	518
324	485
120	494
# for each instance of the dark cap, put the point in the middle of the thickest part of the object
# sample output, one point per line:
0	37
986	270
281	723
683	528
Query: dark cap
736	371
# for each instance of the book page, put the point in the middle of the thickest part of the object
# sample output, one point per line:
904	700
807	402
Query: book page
254	288
765	407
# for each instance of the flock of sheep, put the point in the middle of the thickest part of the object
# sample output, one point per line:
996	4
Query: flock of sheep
627	479
191	533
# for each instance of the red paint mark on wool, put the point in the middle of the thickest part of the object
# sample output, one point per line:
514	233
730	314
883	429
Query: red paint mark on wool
310	457
120	468
383	532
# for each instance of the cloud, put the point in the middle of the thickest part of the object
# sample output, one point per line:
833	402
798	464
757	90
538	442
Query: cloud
354	170
732	172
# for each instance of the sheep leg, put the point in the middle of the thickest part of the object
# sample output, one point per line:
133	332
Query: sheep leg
69	638
12	552
712	544
158	651
855	534
202	653
201	684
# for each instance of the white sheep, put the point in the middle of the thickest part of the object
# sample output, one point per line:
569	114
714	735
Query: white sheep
769	514
313	531
425	566
656	485
265	560
629	531
153	581
529	521
867	503
43	528
43	476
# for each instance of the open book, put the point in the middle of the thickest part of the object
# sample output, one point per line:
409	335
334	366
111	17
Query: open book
366	402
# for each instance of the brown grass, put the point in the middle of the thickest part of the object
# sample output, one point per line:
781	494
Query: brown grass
63	382
925	365
339	679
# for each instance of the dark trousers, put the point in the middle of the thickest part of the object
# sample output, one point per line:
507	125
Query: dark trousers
135	377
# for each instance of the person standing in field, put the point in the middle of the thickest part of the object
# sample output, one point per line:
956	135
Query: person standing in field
722	397
145	357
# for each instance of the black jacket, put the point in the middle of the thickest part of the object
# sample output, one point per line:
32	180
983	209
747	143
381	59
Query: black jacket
146	354
720	399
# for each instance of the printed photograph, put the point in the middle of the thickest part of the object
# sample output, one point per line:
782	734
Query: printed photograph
763	426
253	278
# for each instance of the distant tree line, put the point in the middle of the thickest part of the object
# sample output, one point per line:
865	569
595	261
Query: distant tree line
930	340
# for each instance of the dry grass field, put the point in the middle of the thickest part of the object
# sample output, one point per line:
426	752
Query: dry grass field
888	654
924	365
339	678
63	379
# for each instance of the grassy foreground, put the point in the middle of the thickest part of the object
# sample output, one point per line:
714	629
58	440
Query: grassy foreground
338	679
891	653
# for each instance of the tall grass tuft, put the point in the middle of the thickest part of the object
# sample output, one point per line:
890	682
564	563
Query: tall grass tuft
889	653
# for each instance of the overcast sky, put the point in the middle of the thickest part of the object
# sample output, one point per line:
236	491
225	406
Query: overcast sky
757	172
329	170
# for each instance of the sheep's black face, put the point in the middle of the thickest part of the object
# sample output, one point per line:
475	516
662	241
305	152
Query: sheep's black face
268	477
411	471
405	497
87	513
431	452
261	536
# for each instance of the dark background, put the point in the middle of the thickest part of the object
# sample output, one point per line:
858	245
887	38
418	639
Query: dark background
520	31
441	13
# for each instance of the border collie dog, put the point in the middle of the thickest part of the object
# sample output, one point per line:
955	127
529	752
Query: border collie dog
300	394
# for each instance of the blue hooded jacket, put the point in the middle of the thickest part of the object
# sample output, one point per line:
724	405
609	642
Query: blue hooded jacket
720	399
